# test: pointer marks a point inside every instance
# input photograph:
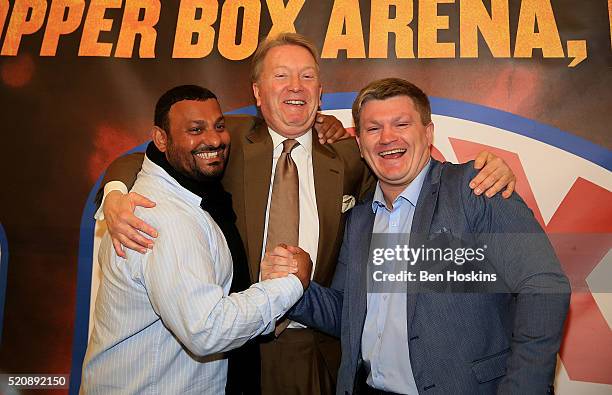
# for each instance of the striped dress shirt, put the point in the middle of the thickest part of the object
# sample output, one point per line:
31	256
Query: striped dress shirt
163	319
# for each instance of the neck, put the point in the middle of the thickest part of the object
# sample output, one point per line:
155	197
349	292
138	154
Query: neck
198	187
391	193
289	136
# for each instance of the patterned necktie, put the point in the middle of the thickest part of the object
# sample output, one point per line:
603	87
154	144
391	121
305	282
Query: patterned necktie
284	214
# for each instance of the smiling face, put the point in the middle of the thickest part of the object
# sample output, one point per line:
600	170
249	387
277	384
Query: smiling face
394	142
288	90
197	144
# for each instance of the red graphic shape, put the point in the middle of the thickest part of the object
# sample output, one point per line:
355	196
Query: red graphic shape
586	349
467	150
437	155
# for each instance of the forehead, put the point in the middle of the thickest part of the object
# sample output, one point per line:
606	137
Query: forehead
289	55
192	110
393	107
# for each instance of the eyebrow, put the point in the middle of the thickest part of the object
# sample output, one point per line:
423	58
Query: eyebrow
289	67
402	117
204	122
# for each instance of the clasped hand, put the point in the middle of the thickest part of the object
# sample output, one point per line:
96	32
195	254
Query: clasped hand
284	260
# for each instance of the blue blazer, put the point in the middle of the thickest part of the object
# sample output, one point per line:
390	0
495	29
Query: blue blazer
462	343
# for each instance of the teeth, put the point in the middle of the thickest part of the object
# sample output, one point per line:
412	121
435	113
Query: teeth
208	155
295	102
393	151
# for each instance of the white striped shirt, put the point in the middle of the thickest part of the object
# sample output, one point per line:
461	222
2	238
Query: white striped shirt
162	319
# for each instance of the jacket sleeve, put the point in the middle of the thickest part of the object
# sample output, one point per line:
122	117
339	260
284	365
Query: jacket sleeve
124	169
521	253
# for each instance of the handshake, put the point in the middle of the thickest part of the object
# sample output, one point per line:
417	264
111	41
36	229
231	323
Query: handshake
284	260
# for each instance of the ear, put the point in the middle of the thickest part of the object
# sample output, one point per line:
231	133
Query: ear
256	94
320	95
358	143
429	133
160	138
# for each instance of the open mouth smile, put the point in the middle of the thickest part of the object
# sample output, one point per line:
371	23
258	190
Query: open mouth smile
208	155
393	153
295	102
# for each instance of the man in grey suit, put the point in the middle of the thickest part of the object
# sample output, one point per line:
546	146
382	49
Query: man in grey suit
432	342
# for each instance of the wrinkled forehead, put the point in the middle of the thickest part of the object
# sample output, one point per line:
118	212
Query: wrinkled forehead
389	107
290	55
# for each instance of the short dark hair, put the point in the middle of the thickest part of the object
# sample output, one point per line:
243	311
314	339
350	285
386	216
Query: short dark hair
175	95
391	87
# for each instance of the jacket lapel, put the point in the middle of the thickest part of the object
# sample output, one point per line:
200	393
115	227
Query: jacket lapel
328	174
421	223
258	167
358	272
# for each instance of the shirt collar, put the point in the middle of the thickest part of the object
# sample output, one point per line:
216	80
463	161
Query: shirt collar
305	140
152	169
410	193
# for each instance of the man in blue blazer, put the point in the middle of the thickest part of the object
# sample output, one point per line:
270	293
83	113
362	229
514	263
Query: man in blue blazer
415	342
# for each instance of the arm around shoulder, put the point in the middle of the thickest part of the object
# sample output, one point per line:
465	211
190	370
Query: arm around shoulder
123	169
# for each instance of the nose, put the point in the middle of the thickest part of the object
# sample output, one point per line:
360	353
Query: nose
211	138
295	83
387	136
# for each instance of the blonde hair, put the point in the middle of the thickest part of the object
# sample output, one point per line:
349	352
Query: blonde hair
277	41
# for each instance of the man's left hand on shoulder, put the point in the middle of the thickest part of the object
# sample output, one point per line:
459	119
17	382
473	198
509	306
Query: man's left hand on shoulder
494	175
329	129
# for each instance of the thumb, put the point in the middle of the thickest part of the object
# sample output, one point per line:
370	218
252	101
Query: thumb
295	249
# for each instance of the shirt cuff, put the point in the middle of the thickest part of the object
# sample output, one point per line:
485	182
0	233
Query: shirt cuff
282	294
108	188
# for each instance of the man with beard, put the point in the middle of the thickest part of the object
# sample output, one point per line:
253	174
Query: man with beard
328	179
162	319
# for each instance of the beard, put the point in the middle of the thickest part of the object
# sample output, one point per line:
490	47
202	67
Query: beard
186	163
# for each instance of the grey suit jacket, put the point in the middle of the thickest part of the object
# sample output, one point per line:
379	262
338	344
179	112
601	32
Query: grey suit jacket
468	343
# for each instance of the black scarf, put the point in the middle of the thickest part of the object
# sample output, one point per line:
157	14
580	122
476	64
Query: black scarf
217	202
243	375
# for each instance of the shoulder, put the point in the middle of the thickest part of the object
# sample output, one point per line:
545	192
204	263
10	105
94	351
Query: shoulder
171	211
454	179
454	173
511	214
345	148
347	151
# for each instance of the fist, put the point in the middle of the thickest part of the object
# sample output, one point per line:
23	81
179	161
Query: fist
304	265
